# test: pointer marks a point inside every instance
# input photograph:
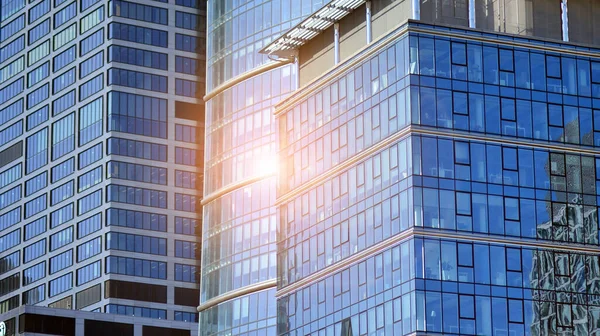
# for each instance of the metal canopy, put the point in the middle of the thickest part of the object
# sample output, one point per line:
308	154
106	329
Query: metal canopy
312	26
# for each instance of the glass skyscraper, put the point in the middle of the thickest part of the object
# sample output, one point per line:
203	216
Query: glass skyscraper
439	169
100	156
239	259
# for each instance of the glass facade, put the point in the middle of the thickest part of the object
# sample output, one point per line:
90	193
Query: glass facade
442	182
88	187
239	257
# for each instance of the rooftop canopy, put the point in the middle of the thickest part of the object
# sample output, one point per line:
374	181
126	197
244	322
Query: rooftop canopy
312	26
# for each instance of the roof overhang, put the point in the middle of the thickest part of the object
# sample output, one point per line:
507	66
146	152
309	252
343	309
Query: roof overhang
286	45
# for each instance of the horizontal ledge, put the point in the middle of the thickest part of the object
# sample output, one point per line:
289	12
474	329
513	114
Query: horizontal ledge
422	232
231	187
236	293
430	131
246	75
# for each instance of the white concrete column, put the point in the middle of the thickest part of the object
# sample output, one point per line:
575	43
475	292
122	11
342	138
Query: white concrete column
416	9
368	20
565	20
336	42
297	66
472	22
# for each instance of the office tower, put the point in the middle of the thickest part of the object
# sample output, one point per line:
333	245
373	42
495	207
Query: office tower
439	169
100	156
239	231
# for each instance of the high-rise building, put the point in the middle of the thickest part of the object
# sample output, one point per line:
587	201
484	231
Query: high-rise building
239	259
100	156
439	169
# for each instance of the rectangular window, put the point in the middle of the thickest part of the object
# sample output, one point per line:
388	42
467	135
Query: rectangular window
35	228
137	80
64	37
10	240
89	225
63	81
89	249
38	95
91	64
11	28
137	196
136	219
91	87
62	170
138	12
60	284
62	192
136	172
12	90
187	226
12	217
186	156
136	243
63	136
63	103
64	58
38	74
10	262
89	273
39	10
10	175
150	118
12	48
62	238
11	132
186	88
36	151
188	21
133	56
36	33
91	42
187	65
36	205
12	69
90	156
10	197
37	53
185	202
34	251
89	202
90	121
187	273
34	295
61	216
137	149
61	261
91	20
89	179
36	184
189	180
131	33
64	15
189	43
136	267
85	4
11	111
186	249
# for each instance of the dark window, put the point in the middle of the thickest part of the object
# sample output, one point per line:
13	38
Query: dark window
46	324
187	297
136	291
101	328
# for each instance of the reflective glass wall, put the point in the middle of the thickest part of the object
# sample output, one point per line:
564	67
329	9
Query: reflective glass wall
443	184
100	156
239	259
